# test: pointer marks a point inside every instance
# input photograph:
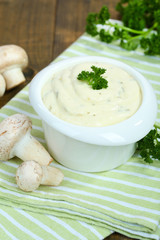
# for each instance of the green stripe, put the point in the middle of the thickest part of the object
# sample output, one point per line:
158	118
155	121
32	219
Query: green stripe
119	51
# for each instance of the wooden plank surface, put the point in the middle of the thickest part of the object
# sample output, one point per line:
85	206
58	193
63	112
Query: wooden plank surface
45	28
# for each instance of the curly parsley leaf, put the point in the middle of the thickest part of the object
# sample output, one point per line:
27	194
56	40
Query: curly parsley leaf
133	13
94	78
138	14
149	146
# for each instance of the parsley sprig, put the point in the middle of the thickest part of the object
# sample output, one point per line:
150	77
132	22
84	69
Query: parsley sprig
94	78
141	25
149	146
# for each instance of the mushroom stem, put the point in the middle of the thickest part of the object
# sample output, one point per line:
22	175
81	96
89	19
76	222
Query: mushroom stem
16	140
51	176
28	148
13	77
13	59
30	175
2	85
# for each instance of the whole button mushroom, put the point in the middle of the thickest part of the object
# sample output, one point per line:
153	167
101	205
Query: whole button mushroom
16	140
13	59
2	85
30	175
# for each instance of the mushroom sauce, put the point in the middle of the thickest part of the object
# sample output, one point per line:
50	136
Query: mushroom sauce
76	102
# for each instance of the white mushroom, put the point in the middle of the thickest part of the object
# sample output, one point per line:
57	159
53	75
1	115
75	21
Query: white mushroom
2	85
13	59
16	140
30	175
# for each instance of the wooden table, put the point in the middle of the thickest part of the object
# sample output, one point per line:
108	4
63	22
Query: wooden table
45	28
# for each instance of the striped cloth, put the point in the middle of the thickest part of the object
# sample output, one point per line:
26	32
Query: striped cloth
86	205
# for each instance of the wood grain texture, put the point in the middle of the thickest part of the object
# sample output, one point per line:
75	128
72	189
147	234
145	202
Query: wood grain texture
45	28
71	20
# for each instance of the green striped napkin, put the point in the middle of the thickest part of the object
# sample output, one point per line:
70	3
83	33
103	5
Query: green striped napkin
86	205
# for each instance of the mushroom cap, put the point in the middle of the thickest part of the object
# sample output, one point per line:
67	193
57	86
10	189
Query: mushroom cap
11	131
12	56
29	175
2	86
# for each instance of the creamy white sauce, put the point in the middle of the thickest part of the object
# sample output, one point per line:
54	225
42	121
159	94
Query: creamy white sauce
76	102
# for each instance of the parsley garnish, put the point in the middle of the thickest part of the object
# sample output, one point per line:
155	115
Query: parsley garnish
149	146
94	78
141	25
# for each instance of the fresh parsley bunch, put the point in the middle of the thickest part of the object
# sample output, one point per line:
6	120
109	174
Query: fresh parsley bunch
141	25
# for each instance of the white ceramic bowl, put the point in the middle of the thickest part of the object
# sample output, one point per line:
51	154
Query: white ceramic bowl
93	149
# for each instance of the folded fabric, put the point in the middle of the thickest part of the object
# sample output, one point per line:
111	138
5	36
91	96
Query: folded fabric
126	199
